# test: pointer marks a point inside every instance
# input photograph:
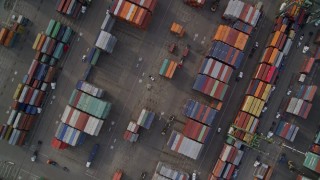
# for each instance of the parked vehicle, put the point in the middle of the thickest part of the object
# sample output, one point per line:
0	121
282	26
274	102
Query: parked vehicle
240	76
92	155
51	162
35	153
215	5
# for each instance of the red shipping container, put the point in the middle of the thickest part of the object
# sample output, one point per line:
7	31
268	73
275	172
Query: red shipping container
55	143
39	98
22	138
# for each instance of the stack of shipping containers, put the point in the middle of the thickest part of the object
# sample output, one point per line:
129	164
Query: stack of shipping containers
138	13
70	8
168	68
30	94
165	172
287	131
85	114
8	36
246	17
131	134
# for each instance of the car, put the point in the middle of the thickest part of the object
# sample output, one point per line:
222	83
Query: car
83	9
270	134
273	88
240	76
84	58
305	49
194	176
152	78
289	92
264	109
317	23
278	115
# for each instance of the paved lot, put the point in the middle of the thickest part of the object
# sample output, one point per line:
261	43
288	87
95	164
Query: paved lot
125	77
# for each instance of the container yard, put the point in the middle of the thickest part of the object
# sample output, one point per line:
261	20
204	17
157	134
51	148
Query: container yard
251	88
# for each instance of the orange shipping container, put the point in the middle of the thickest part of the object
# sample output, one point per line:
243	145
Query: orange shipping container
275	38
273	56
3	35
41	42
8	38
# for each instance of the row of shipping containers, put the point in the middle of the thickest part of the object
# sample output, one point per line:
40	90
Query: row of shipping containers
131	134
228	161
165	171
238	10
259	89
226	54
93	56
146	118
184	145
106	41
8	36
89	104
272	56
89	89
266	73
12	135
287	130
211	87
137	14
312	161
252	105
168	68
243	27
81	121
315	147
70	8
307	65
69	135
199	112
306	92
231	37
299	107
30	95
216	70
196	131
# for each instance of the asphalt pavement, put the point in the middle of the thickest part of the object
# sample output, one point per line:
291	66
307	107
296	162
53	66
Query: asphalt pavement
124	76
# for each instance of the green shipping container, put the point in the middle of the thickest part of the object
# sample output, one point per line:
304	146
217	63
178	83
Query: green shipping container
95	56
56	30
50	27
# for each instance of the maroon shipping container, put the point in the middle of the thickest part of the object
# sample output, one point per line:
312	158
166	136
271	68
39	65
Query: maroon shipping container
82	121
51	47
66	5
50	74
61	5
15	105
306	112
23	121
69	116
30	121
22	138
77	10
39	98
38	55
28	96
35	83
283	40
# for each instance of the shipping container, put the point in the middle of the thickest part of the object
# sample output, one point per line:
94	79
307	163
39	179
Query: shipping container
56	30
231	37
89	89
168	68
50	27
196	131
106	41
312	161
167	171
216	69
146	118
108	23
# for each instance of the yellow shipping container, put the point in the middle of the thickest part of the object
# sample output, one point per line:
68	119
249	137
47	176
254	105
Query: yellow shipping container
18	91
266	92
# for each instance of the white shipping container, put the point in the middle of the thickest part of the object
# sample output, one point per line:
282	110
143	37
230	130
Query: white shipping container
298	107
23	94
249	13
65	114
292	104
143	112
34	97
12	116
16	121
117	8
